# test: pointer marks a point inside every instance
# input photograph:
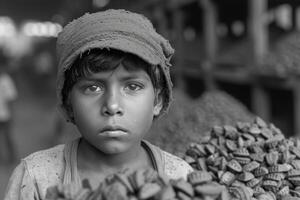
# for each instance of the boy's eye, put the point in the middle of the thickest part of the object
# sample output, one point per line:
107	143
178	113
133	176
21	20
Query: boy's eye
93	89
134	87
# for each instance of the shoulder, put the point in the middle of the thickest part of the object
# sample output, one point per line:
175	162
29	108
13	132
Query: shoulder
35	174
46	163
176	167
52	153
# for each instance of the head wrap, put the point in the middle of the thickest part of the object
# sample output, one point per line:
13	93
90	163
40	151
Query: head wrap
117	29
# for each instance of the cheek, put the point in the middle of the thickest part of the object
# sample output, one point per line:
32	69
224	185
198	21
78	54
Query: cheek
141	112
82	109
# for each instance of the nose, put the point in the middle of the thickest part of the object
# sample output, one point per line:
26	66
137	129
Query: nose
112	104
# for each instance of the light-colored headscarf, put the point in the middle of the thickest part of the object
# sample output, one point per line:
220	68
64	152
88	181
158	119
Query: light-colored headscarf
113	29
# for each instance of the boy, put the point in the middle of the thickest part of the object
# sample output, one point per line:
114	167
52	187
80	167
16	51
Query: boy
113	80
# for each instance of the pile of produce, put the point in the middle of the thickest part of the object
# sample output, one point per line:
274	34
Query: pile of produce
189	119
255	156
142	185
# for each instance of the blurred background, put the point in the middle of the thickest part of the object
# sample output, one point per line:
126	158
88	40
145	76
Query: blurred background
234	59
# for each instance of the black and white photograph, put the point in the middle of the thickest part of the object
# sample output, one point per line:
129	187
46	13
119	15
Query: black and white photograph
150	99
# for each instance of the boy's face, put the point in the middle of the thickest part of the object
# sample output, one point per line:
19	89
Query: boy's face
113	110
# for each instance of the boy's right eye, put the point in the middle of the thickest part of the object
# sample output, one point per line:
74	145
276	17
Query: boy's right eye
91	89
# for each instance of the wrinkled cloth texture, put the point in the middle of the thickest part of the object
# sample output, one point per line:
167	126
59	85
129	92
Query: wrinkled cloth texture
113	29
47	168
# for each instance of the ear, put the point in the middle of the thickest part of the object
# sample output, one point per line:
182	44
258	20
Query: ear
158	102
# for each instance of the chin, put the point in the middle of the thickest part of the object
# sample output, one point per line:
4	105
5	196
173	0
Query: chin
112	148
112	151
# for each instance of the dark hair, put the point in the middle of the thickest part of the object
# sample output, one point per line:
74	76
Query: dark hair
99	60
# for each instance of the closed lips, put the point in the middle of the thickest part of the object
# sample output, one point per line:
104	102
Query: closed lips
113	128
113	131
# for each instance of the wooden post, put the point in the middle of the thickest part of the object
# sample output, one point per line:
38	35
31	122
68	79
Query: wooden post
296	94
259	37
258	31
296	85
210	39
294	16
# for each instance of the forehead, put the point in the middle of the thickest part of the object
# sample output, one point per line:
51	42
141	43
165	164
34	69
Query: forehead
122	71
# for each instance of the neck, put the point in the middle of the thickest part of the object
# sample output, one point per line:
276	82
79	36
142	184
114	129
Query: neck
90	158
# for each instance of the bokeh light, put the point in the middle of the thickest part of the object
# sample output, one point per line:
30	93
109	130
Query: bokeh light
42	29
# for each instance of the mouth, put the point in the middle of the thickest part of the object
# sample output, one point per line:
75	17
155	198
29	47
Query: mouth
113	131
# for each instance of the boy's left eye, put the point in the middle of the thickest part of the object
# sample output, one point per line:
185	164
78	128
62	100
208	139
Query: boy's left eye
133	87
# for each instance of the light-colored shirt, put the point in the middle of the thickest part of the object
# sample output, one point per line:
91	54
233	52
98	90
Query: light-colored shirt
8	93
47	168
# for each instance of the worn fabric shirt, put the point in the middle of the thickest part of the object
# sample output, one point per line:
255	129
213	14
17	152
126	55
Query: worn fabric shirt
47	168
8	93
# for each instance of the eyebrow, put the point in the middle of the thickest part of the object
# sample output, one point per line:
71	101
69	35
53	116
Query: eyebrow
125	78
135	76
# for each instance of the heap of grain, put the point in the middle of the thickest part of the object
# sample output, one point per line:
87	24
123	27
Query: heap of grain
189	119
